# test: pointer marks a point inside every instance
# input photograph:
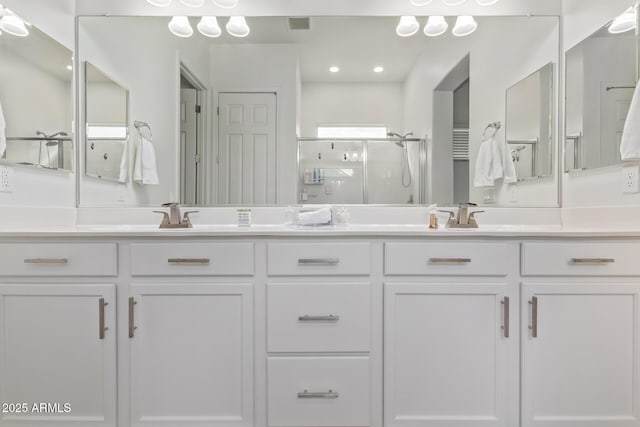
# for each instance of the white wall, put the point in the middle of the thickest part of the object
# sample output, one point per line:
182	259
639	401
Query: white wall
264	68
142	56
503	52
603	186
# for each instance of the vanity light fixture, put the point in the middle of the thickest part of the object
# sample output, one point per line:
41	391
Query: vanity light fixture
160	3
227	4
208	26
436	26
407	26
334	69
486	2
420	2
625	22
237	26
465	25
378	69
180	26
192	3
454	2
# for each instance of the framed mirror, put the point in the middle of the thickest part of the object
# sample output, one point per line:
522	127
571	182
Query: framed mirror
530	126
106	126
601	79
239	121
36	103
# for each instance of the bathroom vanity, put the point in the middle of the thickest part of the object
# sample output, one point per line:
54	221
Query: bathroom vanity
273	326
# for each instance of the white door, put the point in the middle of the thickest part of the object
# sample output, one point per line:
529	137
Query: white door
192	355
448	361
54	350
247	148
580	355
616	101
189	159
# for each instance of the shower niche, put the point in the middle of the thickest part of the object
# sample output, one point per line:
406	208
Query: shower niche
361	171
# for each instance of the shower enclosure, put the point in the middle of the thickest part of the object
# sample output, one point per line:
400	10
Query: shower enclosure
362	171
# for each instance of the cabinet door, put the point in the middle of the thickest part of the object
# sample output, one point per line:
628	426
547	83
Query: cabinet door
580	355
447	359
57	355
192	355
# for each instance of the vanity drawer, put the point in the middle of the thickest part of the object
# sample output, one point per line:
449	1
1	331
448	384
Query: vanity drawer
318	391
192	259
318	317
319	259
580	259
58	259
443	259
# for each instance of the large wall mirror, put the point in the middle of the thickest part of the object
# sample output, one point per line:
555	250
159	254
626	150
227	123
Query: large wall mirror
601	79
324	109
106	126
36	103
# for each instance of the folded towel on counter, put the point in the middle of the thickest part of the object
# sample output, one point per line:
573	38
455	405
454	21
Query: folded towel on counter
145	170
320	216
3	136
630	145
488	164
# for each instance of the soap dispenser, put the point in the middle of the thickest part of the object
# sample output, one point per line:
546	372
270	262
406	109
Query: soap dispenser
433	216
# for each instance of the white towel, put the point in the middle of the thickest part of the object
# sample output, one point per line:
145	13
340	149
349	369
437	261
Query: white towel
318	217
145	170
510	175
124	164
488	164
3	136
630	145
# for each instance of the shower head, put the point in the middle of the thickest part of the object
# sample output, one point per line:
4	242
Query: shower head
401	137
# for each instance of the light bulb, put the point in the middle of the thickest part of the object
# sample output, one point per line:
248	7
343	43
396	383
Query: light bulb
625	22
436	26
334	69
486	2
208	26
465	25
454	2
237	26
13	25
192	3
420	2
378	69
227	4
160	3
180	26
407	26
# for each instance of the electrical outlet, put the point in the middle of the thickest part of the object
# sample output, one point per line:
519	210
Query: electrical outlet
6	179
631	179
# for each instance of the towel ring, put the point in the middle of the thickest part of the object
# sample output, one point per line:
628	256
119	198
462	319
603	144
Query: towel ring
141	125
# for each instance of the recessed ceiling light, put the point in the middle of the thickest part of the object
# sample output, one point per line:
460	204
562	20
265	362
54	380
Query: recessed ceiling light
13	25
378	69
486	2
160	3
625	22
70	67
334	69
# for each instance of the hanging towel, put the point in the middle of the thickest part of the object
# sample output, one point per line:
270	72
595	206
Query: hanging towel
630	145
488	164
145	170
3	136
510	175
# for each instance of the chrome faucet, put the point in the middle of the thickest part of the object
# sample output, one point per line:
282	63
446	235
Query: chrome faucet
174	219
463	219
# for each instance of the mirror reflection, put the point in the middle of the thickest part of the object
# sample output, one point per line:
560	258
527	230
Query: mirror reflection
36	112
601	78
106	131
530	124
245	120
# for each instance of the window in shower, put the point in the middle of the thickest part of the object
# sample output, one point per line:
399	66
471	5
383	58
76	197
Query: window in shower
352	131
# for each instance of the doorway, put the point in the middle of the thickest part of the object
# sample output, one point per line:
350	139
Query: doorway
191	138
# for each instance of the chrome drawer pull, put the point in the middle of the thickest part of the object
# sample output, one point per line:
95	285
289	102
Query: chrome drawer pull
505	317
318	261
101	324
449	260
592	260
46	261
188	261
329	318
319	395
132	326
534	317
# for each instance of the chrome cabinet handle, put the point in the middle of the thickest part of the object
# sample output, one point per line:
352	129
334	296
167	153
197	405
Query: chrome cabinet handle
592	260
318	261
449	260
505	316
132	327
534	317
102	328
329	318
46	261
319	395
191	261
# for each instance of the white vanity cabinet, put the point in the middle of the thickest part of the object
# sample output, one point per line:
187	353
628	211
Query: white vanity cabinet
450	333
191	340
580	334
319	334
58	334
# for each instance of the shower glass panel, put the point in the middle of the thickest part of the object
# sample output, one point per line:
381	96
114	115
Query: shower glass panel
354	171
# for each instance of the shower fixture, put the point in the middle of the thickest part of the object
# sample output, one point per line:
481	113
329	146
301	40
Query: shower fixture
406	169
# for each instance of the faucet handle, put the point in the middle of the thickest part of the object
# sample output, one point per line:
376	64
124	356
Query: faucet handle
452	215
187	219
165	218
169	204
472	216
